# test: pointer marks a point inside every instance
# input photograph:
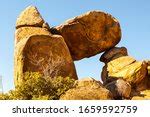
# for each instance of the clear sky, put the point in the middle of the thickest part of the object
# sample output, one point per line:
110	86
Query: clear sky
133	15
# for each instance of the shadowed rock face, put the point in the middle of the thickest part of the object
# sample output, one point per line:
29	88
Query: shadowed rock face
90	34
119	89
37	50
113	53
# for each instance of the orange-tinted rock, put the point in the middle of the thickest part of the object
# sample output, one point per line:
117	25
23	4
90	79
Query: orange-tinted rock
90	34
48	55
29	31
87	89
30	17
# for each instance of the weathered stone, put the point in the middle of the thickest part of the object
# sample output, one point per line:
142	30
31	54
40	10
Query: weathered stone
90	34
144	95
120	89
87	89
113	53
24	32
132	73
48	55
118	64
30	17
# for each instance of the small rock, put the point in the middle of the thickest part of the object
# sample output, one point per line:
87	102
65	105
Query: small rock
113	53
120	89
30	17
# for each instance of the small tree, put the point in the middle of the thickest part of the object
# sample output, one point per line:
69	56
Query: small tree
37	87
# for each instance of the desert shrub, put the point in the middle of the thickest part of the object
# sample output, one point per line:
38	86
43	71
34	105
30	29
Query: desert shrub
37	87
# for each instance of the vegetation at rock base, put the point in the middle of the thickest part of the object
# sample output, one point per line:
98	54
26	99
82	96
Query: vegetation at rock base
37	87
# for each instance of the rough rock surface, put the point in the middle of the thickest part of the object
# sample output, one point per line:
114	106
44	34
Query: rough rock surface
90	34
132	73
37	50
126	68
87	89
109	55
29	31
30	17
116	65
119	89
42	53
113	53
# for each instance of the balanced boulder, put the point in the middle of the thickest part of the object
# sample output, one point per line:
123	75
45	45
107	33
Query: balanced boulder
89	34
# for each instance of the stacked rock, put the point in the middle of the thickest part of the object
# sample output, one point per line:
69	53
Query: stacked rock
89	34
37	50
118	65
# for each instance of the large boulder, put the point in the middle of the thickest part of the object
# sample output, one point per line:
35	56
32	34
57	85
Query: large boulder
87	89
116	65
90	34
128	69
48	55
37	50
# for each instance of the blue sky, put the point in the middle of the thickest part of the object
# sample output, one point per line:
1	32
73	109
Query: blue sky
133	16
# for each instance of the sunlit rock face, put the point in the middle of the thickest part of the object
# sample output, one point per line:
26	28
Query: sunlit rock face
89	34
37	50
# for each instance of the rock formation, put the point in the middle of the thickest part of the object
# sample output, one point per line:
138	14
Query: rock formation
37	50
89	34
51	51
87	89
125	70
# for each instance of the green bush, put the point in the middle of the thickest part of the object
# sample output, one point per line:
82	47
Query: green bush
37	87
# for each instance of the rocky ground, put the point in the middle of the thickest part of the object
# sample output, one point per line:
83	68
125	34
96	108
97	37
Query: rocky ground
53	50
